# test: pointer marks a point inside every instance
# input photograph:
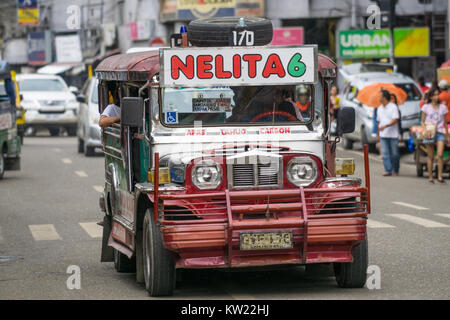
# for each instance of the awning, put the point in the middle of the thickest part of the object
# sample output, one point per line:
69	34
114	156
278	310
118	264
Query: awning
56	68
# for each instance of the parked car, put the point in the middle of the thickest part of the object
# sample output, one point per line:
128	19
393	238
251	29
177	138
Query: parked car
410	110
89	132
48	103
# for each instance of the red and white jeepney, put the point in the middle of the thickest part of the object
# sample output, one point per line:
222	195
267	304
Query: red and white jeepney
224	159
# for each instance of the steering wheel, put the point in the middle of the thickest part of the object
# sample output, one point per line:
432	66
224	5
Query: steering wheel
285	114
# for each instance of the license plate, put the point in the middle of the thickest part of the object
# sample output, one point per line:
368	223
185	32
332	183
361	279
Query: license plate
53	117
266	240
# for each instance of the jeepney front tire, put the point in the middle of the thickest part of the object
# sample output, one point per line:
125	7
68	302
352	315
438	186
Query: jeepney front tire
159	265
123	264
353	274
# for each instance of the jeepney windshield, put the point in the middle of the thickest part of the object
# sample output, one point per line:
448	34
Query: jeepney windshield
238	105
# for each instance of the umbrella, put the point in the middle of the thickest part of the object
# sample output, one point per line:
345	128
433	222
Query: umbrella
370	95
446	64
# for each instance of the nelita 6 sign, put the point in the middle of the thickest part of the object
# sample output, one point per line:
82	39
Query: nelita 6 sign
238	66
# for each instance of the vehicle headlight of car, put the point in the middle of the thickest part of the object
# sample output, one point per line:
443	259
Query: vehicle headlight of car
302	171
206	174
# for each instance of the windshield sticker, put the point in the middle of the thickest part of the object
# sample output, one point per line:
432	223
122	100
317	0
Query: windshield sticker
172	117
238	66
211	105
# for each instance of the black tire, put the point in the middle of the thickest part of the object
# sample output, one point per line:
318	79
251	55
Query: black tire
159	265
2	165
80	145
347	143
89	151
54	132
353	274
123	264
217	32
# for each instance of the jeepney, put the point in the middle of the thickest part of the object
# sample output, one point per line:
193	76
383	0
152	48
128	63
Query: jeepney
10	143
223	159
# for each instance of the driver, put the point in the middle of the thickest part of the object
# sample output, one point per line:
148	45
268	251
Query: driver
303	102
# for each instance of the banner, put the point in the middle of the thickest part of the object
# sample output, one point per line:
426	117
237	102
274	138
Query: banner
288	36
39	48
177	10
411	42
196	9
354	44
237	66
68	48
28	12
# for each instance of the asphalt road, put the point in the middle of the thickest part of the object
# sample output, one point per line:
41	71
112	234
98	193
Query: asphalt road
48	212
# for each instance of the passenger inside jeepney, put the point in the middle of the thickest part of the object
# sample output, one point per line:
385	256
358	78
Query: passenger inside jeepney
111	114
303	100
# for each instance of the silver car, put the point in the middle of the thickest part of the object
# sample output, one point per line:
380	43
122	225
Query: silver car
410	110
88	130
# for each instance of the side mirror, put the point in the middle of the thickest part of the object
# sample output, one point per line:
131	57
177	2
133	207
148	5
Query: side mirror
131	111
345	120
81	98
73	89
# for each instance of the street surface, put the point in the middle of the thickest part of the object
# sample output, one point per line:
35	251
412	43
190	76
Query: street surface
49	210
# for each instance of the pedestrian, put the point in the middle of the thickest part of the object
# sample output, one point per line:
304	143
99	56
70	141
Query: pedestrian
422	85
334	101
434	113
387	120
444	96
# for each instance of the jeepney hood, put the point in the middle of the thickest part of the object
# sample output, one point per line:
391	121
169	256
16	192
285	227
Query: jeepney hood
204	139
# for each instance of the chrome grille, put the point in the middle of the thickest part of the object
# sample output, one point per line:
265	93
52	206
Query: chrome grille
267	175
243	175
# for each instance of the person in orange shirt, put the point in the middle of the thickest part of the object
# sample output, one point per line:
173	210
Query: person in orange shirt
303	100
444	96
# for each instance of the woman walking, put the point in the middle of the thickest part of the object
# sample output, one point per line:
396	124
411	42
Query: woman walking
433	112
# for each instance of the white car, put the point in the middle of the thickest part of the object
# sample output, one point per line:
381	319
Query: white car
89	132
48	103
410	110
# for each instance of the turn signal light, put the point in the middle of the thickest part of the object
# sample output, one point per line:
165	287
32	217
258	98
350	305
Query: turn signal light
344	166
164	175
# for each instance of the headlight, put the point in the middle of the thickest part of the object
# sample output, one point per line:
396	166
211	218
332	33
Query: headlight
207	174
302	171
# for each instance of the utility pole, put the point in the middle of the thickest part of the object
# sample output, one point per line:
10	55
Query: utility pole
388	19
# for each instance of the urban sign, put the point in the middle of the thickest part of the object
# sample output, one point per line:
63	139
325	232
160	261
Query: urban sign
355	44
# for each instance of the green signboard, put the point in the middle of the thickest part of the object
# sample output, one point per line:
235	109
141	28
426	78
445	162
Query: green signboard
354	44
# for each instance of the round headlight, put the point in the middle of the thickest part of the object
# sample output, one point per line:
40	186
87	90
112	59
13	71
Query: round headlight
302	171
207	174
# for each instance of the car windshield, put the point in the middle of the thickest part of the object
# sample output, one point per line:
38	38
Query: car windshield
237	105
411	90
42	85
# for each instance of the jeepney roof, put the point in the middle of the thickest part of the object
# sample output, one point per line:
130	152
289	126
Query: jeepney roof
137	66
142	66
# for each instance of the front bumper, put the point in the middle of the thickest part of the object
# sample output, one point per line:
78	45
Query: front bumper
35	118
326	223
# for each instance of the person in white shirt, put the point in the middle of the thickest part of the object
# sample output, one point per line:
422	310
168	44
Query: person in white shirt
111	114
388	128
